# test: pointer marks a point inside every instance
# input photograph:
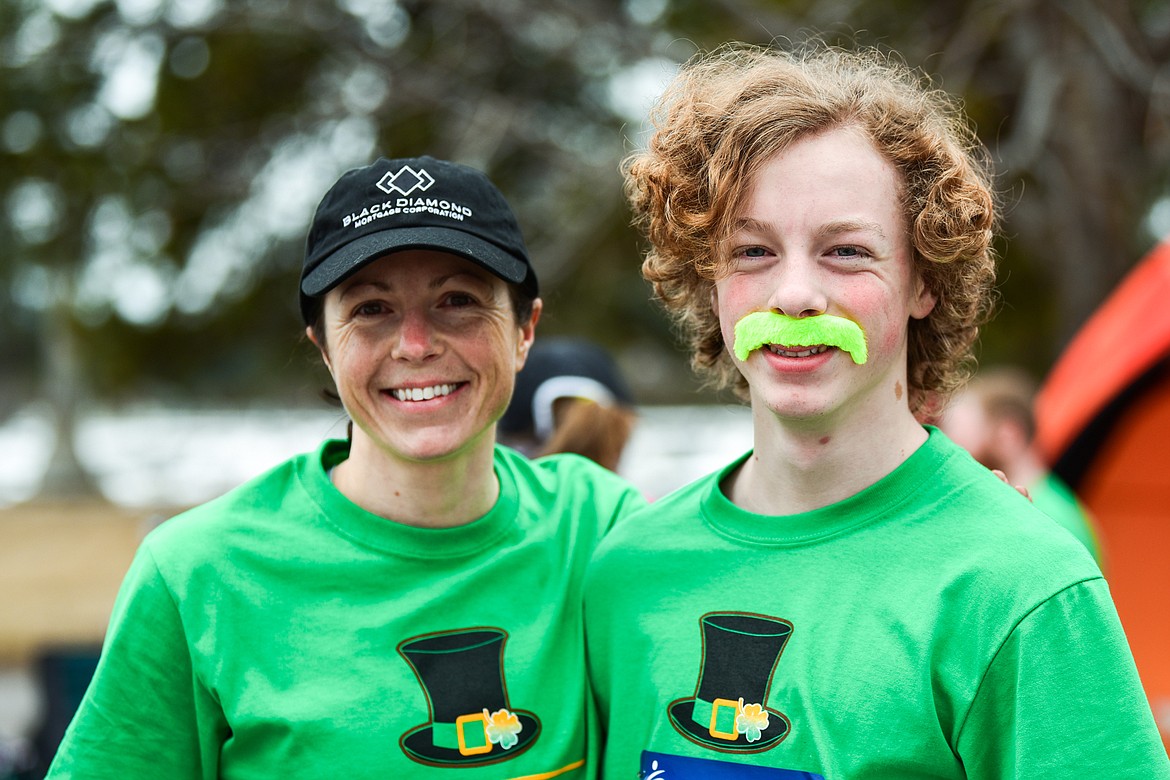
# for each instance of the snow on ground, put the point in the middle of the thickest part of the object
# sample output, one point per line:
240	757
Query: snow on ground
155	456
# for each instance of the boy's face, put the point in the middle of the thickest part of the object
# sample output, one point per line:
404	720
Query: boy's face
821	232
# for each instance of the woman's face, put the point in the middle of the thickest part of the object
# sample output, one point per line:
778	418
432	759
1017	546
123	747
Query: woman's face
424	347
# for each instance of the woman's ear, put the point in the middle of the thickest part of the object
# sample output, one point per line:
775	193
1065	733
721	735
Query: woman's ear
312	336
528	334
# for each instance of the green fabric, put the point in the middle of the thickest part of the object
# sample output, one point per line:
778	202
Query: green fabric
766	327
1055	499
263	634
934	625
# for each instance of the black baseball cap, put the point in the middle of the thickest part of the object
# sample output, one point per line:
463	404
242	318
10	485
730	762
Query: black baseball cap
411	203
561	367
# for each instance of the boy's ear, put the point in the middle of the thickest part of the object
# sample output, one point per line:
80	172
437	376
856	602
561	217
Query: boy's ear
924	300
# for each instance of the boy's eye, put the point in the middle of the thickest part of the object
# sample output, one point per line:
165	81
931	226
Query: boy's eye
848	251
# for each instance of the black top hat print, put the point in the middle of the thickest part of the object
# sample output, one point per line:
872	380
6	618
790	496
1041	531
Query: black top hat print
729	710
470	720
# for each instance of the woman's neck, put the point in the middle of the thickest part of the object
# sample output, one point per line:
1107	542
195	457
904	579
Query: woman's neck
445	493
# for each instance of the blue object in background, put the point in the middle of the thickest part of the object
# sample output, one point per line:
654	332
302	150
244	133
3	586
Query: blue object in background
660	766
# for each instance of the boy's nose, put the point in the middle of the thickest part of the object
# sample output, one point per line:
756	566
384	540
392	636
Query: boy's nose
796	289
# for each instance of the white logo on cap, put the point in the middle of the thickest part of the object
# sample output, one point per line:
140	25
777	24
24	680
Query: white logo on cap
406	180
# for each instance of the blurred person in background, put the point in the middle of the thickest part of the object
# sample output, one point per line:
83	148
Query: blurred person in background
570	397
400	604
992	417
855	597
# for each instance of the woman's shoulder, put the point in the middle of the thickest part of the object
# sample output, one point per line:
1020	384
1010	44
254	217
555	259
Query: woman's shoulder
242	511
570	480
564	470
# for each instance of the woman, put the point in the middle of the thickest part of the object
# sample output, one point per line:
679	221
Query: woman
395	604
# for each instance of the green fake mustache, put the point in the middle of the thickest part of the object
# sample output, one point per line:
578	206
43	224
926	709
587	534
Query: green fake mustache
766	327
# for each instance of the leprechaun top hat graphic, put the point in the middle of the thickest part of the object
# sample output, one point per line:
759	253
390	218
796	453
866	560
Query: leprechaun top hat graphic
470	720
729	710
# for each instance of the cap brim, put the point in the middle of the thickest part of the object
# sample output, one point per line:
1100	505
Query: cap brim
353	256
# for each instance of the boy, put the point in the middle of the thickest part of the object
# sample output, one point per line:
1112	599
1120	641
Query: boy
856	597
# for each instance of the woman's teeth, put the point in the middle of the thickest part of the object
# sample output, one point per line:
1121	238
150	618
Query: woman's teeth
422	393
797	354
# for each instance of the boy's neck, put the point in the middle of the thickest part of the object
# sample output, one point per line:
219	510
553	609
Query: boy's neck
801	466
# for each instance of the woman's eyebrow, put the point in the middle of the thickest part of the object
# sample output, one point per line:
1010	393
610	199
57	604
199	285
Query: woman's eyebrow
439	281
354	287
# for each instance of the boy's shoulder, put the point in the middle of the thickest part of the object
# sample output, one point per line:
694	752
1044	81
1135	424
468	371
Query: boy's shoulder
672	519
972	523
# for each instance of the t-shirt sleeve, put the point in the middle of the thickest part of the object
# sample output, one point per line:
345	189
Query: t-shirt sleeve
629	501
1062	699
144	714
610	497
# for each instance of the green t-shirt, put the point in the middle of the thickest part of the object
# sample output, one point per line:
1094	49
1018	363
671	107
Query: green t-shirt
934	625
1054	498
281	631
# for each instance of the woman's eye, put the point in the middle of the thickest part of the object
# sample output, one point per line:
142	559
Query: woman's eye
460	299
369	309
753	251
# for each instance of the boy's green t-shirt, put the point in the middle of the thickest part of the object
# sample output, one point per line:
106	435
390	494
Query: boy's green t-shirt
1054	498
934	625
281	631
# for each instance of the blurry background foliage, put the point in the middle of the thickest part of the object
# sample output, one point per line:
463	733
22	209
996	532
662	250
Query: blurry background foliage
160	161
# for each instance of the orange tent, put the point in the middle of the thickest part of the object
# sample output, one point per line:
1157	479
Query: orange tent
1103	422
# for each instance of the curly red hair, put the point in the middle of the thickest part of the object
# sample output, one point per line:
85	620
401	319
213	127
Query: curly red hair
729	112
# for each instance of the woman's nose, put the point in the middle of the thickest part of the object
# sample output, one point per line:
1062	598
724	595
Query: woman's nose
416	338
